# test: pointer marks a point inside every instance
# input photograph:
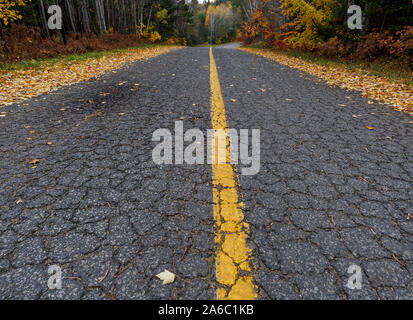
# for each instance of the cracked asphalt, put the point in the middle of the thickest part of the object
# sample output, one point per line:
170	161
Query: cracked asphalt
330	193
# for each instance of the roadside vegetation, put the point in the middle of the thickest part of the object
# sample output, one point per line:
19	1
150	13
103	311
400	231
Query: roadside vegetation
315	32
320	28
104	25
390	69
20	82
314	36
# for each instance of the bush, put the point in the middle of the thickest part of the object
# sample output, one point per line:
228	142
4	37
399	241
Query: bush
19	42
403	46
379	44
373	45
280	44
333	48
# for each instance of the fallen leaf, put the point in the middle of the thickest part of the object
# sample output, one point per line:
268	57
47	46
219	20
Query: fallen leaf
35	161
234	100
370	128
166	276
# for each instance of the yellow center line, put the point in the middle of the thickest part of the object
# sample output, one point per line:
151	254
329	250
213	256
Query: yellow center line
232	261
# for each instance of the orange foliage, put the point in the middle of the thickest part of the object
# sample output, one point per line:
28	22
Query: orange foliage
259	24
377	44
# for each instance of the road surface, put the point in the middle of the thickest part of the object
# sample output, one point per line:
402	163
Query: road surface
330	192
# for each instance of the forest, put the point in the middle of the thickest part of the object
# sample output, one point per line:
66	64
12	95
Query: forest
317	26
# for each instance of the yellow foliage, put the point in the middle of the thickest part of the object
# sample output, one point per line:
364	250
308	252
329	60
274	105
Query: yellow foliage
162	16
144	31
155	36
148	32
307	16
9	12
224	11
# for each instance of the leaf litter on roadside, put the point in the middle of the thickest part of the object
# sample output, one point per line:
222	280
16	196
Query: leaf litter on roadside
20	85
399	95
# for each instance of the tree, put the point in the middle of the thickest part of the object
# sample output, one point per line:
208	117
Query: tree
220	22
307	19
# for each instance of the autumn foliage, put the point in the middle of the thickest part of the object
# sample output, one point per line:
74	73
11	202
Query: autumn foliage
320	26
19	43
307	18
9	10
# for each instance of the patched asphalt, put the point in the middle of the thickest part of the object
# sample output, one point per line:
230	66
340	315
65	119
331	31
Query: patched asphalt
330	192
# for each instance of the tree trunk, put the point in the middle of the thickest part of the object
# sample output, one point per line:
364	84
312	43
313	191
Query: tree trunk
69	8
134	25
44	18
85	15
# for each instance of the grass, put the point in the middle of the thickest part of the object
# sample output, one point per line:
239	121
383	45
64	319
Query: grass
33	64
383	68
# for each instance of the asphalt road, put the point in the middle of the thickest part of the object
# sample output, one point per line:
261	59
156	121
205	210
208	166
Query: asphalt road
330	192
